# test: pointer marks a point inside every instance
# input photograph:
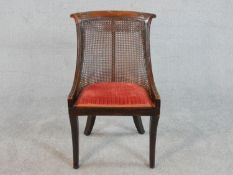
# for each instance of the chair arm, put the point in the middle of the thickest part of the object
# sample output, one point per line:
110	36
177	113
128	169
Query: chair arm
155	92
156	96
72	97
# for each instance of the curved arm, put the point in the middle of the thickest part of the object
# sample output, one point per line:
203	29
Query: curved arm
74	90
154	90
155	94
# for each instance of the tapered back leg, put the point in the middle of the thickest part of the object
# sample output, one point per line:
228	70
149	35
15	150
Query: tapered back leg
138	123
89	125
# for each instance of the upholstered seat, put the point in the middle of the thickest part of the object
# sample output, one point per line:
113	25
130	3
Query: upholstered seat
114	94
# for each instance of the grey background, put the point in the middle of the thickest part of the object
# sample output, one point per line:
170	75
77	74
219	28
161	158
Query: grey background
192	62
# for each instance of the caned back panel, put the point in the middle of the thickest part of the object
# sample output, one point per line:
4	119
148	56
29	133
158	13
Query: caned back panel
113	50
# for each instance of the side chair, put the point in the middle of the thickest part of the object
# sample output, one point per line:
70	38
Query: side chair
113	73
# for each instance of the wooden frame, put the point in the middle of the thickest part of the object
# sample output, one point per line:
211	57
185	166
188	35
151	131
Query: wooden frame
92	112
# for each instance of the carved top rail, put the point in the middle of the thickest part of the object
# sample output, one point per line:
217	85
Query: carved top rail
120	14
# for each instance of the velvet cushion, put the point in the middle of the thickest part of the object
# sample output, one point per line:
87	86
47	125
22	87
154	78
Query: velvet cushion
114	94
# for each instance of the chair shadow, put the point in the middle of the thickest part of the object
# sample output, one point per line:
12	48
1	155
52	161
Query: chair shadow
108	164
131	129
136	154
53	151
188	141
110	139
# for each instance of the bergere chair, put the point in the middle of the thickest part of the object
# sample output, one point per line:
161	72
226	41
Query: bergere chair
113	72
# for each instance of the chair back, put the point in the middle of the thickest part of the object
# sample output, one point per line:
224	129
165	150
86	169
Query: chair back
113	46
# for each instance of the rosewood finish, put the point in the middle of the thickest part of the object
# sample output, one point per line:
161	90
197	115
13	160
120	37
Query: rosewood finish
123	31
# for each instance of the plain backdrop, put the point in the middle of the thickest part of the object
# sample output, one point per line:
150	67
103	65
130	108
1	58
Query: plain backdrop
192	55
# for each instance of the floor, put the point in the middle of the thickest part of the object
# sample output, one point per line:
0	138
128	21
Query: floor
192	62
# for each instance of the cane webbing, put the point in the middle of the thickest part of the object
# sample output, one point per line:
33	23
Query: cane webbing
113	50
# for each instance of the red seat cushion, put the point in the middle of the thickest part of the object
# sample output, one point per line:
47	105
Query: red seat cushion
114	94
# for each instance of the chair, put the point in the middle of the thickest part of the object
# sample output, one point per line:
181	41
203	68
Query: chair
113	72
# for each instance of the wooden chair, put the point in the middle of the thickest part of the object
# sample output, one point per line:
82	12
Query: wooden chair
113	72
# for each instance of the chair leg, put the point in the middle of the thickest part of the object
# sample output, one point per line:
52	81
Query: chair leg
89	125
138	123
153	131
75	140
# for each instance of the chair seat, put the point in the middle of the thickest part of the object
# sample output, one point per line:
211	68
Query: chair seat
113	94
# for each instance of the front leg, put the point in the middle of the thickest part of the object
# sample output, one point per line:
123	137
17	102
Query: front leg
153	132
75	140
